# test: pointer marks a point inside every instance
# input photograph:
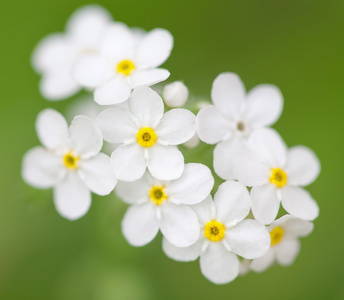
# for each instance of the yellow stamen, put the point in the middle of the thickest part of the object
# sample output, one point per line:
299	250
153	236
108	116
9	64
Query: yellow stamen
71	161
157	194
146	137
125	67
276	235
214	231
278	177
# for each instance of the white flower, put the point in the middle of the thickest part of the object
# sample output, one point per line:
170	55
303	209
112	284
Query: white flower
175	94
277	175
285	245
234	116
148	136
71	163
163	205
56	54
225	234
123	63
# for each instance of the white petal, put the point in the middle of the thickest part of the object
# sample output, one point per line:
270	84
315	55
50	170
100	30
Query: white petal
175	94
41	168
52	130
148	77
211	125
176	127
264	105
193	142
218	265
179	224
165	162
128	162
262	263
134	192
244	266
190	253
58	85
204	210
147	106
91	70
193	186
98	174
302	166
265	203
113	91
298	228
117	125
86	137
249	239
287	251
228	94
72	198
154	48
140	225
269	144
232	202
299	203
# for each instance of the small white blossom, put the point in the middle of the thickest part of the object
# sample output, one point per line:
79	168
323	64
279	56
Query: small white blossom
277	175
70	163
285	245
175	94
224	234
163	205
148	137
234	116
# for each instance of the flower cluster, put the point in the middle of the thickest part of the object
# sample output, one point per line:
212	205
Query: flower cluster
232	231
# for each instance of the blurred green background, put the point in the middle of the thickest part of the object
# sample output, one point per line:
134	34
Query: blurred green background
297	45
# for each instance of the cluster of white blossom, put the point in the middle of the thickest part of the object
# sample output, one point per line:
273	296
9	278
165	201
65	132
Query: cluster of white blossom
146	169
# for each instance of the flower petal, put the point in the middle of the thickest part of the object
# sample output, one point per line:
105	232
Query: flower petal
98	175
232	202
219	265
148	77
128	162
179	224
41	168
249	239
204	210
113	91
297	228
211	125
72	198
154	48
262	263
193	186
228	94
52	130
287	251
165	162
265	203
140	225
146	106
190	253
176	127
264	105
302	167
86	137
299	203
134	192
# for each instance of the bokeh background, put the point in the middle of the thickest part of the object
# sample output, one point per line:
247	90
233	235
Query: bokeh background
297	45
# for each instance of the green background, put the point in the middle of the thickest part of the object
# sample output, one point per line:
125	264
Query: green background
297	45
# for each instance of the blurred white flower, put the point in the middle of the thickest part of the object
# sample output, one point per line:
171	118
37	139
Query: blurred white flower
70	162
175	94
225	234
163	205
125	61
55	55
193	142
148	137
285	245
234	116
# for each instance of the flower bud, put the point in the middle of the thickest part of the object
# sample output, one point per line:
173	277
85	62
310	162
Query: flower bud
175	94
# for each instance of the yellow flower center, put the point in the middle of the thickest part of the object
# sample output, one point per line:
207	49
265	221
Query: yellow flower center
276	235
125	67
71	161
146	137
278	177
157	194
214	231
